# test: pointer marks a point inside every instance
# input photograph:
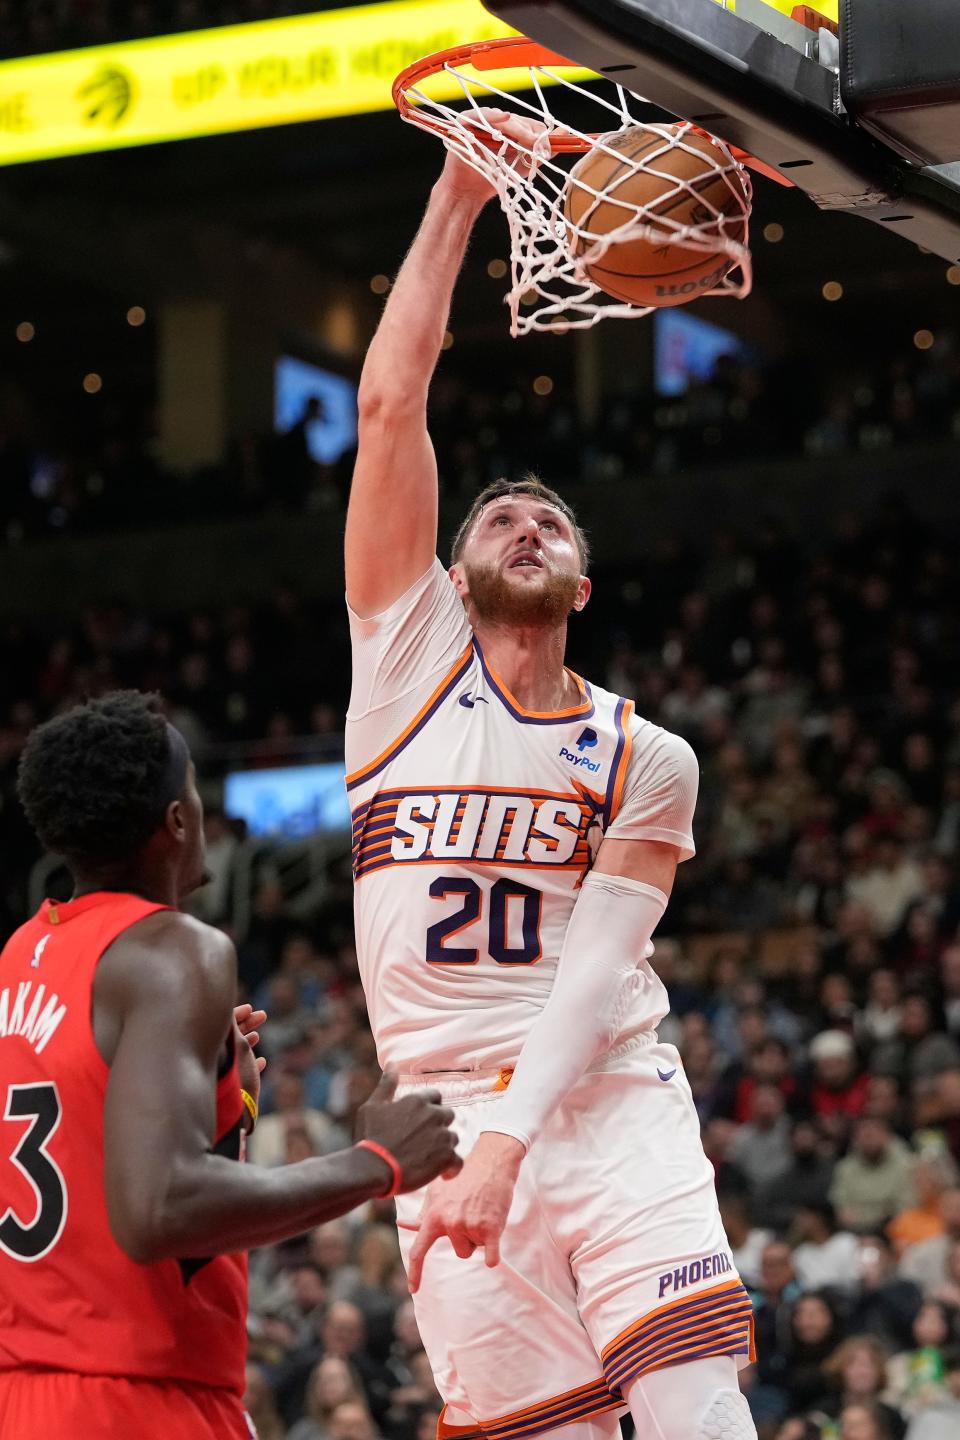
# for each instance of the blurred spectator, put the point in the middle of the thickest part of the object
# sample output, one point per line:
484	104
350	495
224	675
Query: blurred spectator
860	1421
380	1284
268	1143
916	1376
941	1419
768	1063
872	1183
950	981
799	1427
761	1148
880	1018
885	1305
804	1183
344	1334
815	1332
884	1101
925	1261
331	1383
889	883
351	1420
933	1176
837	1087
920	1048
259	1404
330	1247
857	1373
289	1016
949	1291
772	1309
825	1255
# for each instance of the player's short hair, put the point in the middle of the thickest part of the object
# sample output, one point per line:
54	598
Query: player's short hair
529	484
95	782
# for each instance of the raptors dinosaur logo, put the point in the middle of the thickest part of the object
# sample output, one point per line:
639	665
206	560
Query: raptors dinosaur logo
107	96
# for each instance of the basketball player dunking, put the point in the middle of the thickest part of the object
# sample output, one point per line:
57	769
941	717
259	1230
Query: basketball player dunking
127	1086
516	835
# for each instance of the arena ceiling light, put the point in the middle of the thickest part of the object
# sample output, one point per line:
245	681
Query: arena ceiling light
211	82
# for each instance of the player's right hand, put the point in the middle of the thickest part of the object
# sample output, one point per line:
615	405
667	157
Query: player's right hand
416	1130
528	134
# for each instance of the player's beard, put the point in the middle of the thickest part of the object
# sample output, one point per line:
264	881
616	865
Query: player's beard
495	600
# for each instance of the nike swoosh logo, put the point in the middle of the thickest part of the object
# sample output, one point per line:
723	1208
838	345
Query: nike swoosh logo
669	1074
468	701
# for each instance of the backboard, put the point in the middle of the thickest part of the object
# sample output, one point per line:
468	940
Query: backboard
781	89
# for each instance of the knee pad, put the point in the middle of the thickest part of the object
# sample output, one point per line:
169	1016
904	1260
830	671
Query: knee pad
727	1417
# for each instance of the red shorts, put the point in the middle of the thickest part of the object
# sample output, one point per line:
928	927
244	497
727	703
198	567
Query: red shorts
61	1405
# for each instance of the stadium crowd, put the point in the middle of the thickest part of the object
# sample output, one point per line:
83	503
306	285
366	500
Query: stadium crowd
65	469
813	956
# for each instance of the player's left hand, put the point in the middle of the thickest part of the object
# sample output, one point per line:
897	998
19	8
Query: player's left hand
250	1067
471	1209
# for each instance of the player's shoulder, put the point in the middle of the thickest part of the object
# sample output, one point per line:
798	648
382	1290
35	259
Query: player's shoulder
22	936
433	586
663	750
652	747
169	949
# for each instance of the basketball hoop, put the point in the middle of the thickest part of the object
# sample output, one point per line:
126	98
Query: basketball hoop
552	253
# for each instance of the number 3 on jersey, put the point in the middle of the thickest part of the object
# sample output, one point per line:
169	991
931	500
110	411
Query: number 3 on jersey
32	1239
513	922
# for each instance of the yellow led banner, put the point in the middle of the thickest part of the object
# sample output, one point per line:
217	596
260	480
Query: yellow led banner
307	67
829	8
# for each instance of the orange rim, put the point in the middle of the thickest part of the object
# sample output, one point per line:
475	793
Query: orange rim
519	53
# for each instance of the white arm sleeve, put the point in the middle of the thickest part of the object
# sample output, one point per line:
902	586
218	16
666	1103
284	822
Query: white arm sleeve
605	943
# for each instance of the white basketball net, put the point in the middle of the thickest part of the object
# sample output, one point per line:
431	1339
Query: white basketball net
550	287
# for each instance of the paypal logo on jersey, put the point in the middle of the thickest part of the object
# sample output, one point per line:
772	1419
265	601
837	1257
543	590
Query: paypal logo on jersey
586	740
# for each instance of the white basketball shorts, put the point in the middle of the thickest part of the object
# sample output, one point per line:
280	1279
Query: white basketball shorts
613	1261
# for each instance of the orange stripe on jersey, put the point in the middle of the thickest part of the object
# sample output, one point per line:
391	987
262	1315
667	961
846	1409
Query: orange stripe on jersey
386	829
592	799
422	715
713	1292
717	1321
586	704
446	1431
579	1404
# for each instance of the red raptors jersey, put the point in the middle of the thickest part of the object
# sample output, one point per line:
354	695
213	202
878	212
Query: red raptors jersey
70	1299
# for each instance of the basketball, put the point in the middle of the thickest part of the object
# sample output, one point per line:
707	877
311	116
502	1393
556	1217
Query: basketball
640	270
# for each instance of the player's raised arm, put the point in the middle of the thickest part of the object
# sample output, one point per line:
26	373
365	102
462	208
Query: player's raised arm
168	987
391	534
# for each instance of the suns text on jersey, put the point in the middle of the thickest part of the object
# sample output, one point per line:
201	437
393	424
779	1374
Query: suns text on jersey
482	826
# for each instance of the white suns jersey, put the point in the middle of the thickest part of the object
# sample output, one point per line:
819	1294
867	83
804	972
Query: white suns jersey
474	822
